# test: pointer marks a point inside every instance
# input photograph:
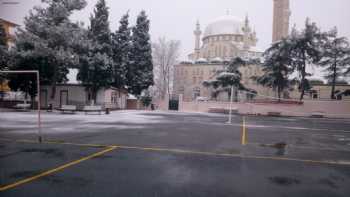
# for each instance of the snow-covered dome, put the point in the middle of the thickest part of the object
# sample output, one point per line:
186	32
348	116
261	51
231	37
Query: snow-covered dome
217	59
202	60
224	25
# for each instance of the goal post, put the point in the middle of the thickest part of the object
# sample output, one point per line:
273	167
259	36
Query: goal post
34	72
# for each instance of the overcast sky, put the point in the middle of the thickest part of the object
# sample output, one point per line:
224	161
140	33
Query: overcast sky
175	19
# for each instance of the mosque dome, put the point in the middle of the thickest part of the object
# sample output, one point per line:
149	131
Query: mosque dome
224	25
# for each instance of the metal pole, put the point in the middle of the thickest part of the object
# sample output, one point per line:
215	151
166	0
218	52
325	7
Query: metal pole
38	89
230	112
39	106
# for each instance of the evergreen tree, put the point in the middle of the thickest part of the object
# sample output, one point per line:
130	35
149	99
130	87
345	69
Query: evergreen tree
4	56
140	70
306	50
95	60
230	76
335	58
100	32
3	49
276	67
121	51
44	44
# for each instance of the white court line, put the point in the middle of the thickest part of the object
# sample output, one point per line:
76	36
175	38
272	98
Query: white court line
297	129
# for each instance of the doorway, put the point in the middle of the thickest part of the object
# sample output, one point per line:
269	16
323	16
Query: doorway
63	97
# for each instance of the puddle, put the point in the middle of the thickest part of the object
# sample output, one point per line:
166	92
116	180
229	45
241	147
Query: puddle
280	148
343	139
284	181
329	183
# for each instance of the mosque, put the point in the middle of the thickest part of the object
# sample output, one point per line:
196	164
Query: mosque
223	39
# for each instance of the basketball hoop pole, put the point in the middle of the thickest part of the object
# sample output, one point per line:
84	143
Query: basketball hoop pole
36	72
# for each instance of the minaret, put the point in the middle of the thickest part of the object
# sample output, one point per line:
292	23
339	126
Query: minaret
281	14
246	30
197	34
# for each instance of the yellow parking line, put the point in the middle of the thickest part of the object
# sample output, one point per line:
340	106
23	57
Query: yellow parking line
6	187
243	140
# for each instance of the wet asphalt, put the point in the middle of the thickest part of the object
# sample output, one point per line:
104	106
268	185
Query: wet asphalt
283	157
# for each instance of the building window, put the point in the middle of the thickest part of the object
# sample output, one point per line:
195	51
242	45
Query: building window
196	92
194	80
181	90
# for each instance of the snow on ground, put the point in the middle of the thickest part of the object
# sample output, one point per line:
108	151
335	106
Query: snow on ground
26	122
55	122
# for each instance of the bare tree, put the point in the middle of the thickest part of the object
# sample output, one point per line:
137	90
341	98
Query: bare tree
165	55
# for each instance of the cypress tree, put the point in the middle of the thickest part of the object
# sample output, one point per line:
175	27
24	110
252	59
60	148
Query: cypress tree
121	52
140	70
96	64
3	48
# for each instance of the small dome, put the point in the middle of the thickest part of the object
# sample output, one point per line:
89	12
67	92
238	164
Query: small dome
224	25
217	59
201	60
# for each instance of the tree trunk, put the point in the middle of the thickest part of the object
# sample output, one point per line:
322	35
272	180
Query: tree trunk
279	94
303	74
32	98
302	92
53	83
334	78
94	95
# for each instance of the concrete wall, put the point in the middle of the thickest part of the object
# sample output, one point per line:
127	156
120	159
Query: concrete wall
114	99
77	95
332	109
164	103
